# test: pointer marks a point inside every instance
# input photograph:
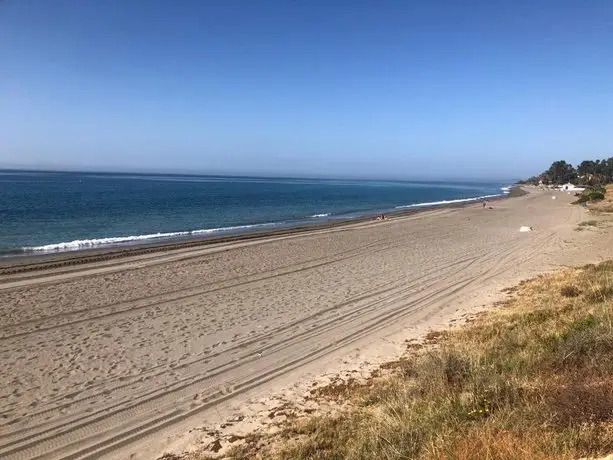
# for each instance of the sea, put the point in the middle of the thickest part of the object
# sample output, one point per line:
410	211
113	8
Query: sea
42	212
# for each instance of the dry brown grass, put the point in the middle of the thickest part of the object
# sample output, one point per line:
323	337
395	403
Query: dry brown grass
533	380
588	223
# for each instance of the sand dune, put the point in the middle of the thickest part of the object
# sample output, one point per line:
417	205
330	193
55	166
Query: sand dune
121	358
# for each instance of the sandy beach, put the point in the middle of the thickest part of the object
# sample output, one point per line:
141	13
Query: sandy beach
135	356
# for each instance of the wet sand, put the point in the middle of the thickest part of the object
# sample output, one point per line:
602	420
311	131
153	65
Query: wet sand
120	357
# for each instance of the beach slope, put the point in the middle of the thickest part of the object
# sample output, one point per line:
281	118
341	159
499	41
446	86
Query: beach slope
121	358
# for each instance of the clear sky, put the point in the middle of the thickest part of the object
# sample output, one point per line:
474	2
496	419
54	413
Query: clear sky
306	87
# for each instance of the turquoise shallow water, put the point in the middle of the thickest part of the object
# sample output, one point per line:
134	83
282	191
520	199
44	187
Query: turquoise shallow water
46	212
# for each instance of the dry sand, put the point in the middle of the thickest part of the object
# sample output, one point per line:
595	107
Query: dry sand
134	357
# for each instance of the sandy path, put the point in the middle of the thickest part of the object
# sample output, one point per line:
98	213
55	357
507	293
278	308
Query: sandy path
114	359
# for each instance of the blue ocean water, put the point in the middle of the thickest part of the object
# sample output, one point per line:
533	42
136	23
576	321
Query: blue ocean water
53	211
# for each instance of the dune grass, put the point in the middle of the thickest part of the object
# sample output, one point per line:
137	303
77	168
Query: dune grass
531	379
605	205
587	224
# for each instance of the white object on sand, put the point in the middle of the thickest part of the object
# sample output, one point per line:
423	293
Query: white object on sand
523	228
553	197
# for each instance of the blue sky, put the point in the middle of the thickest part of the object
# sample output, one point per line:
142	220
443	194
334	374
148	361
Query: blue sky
306	87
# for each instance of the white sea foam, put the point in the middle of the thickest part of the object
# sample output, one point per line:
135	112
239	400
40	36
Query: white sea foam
438	203
206	231
95	242
321	215
506	190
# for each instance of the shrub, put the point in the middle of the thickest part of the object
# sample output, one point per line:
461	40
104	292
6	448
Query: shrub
570	291
595	195
591	194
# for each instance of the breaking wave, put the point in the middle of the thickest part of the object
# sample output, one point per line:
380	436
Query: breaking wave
436	203
96	242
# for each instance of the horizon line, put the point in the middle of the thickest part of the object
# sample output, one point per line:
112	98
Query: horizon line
69	170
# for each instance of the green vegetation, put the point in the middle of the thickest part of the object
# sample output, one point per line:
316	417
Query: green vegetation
605	205
531	379
591	194
589	173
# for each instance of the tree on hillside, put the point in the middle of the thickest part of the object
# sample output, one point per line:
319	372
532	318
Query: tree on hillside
589	172
586	168
560	172
608	169
596	172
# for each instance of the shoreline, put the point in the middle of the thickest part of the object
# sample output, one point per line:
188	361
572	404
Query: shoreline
19	260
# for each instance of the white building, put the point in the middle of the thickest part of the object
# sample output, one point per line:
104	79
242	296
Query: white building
571	188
